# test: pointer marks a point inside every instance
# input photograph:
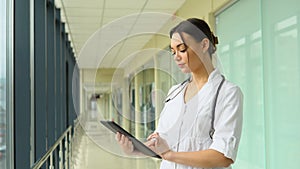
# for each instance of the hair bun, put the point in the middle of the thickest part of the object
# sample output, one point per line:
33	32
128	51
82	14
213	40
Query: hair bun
215	39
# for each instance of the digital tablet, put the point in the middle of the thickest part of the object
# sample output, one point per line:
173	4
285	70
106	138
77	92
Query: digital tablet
139	146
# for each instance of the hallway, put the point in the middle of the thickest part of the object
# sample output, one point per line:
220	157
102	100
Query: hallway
66	60
87	154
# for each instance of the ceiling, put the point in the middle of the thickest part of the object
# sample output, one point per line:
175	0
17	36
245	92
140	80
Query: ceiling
104	32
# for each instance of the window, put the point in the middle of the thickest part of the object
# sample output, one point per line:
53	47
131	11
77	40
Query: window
261	55
2	84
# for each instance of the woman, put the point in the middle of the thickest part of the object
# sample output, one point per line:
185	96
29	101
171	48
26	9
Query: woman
200	125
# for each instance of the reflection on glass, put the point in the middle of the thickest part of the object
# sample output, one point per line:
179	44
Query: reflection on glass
269	78
285	101
137	106
240	52
2	84
141	103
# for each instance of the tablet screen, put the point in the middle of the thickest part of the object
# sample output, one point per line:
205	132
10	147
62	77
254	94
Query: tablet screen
141	147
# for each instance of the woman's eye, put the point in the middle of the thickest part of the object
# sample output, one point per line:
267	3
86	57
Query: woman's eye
183	50
173	52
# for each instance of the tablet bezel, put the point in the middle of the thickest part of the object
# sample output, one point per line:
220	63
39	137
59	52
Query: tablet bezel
138	145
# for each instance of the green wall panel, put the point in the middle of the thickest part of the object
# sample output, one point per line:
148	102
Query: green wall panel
259	50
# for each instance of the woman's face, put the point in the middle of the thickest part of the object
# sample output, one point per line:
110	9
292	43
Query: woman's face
186	55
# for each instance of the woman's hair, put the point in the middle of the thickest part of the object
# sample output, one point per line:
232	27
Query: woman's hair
198	29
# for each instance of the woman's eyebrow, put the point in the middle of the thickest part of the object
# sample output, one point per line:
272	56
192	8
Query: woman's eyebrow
180	44
177	45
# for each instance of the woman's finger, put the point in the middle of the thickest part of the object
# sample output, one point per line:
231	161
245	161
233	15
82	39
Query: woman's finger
126	140
117	136
156	141
130	145
152	135
151	142
121	139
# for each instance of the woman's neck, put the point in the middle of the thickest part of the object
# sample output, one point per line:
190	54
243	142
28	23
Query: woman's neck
200	77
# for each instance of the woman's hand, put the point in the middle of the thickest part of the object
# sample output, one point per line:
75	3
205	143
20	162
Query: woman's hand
125	143
158	144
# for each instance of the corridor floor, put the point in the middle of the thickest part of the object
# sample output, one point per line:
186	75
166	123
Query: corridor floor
95	148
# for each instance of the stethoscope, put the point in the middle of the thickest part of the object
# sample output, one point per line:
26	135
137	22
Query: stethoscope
182	85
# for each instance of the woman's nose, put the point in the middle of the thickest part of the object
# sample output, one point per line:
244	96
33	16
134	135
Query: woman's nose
177	56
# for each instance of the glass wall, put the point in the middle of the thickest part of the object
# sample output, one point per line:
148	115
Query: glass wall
282	81
259	50
3	84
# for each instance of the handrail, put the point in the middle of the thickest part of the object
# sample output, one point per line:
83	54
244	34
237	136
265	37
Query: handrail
48	154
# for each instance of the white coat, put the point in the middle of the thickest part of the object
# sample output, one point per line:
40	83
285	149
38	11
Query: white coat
186	126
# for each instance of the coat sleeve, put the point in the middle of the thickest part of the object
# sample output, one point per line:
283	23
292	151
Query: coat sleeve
228	122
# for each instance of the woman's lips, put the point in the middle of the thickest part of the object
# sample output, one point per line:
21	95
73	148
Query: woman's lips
180	65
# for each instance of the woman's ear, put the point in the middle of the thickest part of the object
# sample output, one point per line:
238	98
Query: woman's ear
205	45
